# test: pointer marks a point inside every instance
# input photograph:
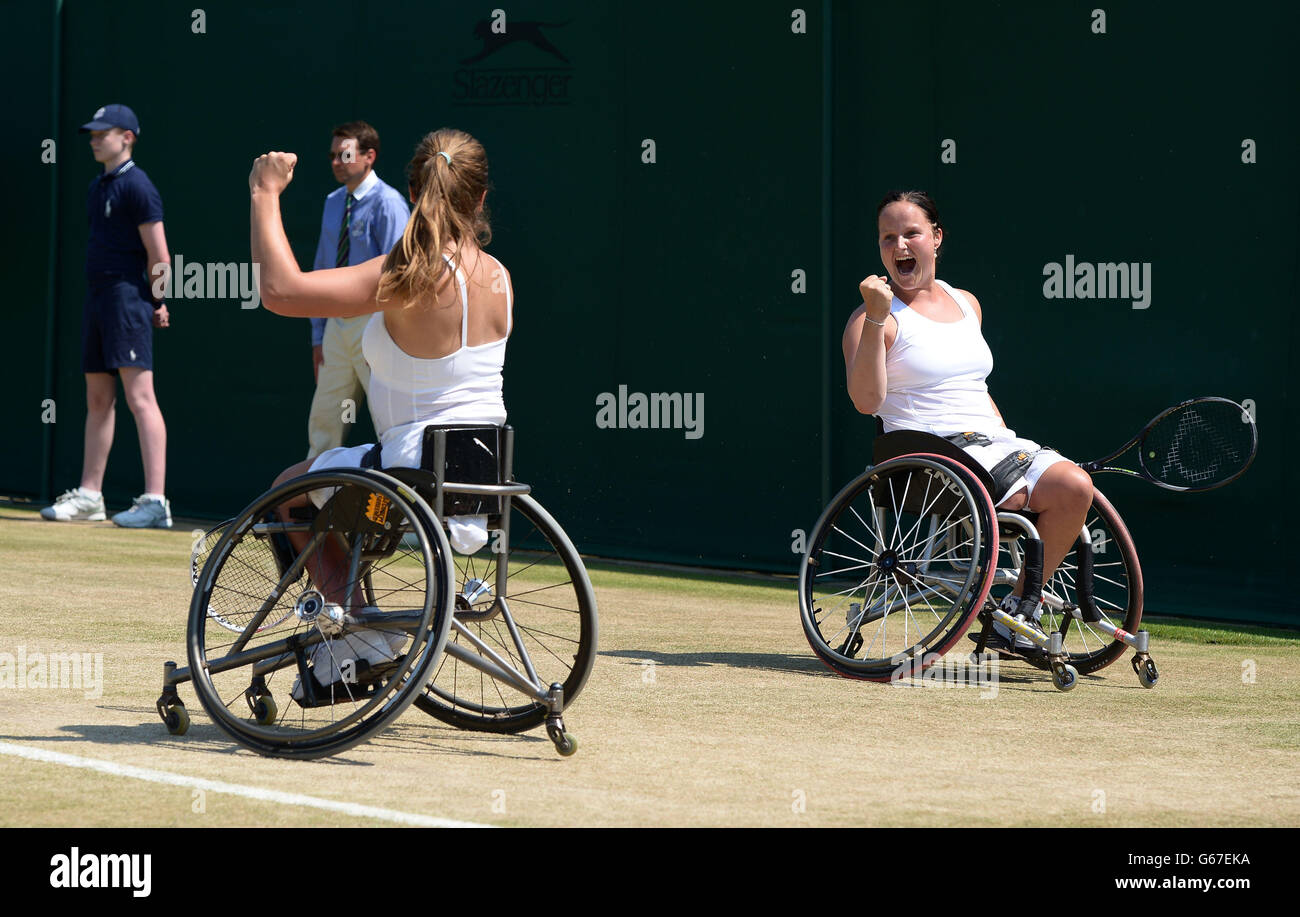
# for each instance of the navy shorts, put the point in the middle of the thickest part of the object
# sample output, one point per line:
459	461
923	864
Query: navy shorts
117	327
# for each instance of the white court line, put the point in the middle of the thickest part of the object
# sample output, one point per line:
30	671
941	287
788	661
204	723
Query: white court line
232	789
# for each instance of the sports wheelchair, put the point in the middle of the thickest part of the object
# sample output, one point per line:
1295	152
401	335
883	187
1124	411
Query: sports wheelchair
911	552
294	661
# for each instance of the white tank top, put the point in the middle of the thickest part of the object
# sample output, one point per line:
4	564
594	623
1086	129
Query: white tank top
935	373
408	393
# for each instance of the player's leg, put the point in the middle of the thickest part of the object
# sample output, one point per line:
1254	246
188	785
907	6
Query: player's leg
328	567
101	420
126	329
87	501
138	385
1061	497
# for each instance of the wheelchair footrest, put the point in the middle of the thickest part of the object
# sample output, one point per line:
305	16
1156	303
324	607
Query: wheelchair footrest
366	682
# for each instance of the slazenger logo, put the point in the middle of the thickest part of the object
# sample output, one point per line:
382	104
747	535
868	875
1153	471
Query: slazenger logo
473	85
99	113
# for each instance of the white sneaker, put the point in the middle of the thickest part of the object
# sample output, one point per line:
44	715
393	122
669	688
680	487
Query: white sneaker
1011	605
74	504
145	514
336	659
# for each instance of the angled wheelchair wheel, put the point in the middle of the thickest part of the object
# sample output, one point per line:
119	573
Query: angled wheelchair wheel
542	623
1116	585
346	660
897	566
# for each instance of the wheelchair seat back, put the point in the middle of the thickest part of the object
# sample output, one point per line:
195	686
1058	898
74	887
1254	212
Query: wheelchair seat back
479	454
904	442
474	455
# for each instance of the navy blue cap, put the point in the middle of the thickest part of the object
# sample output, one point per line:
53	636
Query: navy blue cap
113	116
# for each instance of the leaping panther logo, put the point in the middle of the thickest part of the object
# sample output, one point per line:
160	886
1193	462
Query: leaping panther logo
530	32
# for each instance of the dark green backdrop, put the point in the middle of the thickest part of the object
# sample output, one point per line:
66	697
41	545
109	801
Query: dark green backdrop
772	148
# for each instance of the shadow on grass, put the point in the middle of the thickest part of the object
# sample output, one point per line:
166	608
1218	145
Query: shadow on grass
1012	674
772	662
403	738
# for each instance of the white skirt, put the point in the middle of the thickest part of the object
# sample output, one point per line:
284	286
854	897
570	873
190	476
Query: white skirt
1006	442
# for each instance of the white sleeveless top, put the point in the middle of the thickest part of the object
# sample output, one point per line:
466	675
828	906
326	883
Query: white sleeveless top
935	373
408	393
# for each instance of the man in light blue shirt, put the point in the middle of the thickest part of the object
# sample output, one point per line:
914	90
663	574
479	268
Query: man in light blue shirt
362	219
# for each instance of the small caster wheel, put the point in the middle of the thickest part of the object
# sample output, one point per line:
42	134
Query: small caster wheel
264	710
1147	674
1065	677
177	720
567	745
851	646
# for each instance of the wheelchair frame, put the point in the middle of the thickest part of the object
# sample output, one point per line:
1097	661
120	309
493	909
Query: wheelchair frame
956	560
414	498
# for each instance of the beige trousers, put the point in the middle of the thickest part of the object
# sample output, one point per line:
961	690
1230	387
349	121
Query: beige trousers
341	386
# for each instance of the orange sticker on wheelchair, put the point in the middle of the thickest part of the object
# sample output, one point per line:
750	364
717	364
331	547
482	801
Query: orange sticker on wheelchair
377	508
1021	456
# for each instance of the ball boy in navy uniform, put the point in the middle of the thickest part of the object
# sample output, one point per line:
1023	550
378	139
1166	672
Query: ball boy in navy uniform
126	239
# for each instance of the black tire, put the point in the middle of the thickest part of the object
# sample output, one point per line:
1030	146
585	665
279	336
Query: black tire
409	589
851	566
551	604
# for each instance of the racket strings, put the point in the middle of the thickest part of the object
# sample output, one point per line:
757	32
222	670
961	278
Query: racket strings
1199	445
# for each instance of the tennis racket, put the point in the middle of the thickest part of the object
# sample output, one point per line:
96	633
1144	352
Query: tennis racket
1194	446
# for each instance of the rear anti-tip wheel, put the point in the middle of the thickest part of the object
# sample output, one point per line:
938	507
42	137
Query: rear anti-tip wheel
1146	671
265	710
567	745
1064	676
177	720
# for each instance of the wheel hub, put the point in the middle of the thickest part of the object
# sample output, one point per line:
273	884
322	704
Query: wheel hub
891	565
311	608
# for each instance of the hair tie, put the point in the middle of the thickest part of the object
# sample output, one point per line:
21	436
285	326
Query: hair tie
446	156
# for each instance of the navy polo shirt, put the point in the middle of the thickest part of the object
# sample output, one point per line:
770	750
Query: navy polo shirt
117	203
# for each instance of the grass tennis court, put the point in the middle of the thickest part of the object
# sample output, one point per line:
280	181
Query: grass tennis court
706	707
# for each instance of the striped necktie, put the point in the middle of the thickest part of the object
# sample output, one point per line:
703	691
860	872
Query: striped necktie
345	243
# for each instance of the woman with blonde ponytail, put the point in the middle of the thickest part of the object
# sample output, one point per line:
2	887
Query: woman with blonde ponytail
441	306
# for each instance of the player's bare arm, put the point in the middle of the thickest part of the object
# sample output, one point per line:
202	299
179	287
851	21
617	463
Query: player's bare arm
286	289
865	343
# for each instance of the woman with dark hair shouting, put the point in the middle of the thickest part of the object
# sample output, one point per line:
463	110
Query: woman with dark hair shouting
916	359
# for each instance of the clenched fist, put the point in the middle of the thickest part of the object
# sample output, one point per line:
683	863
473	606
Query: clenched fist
877	296
272	172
